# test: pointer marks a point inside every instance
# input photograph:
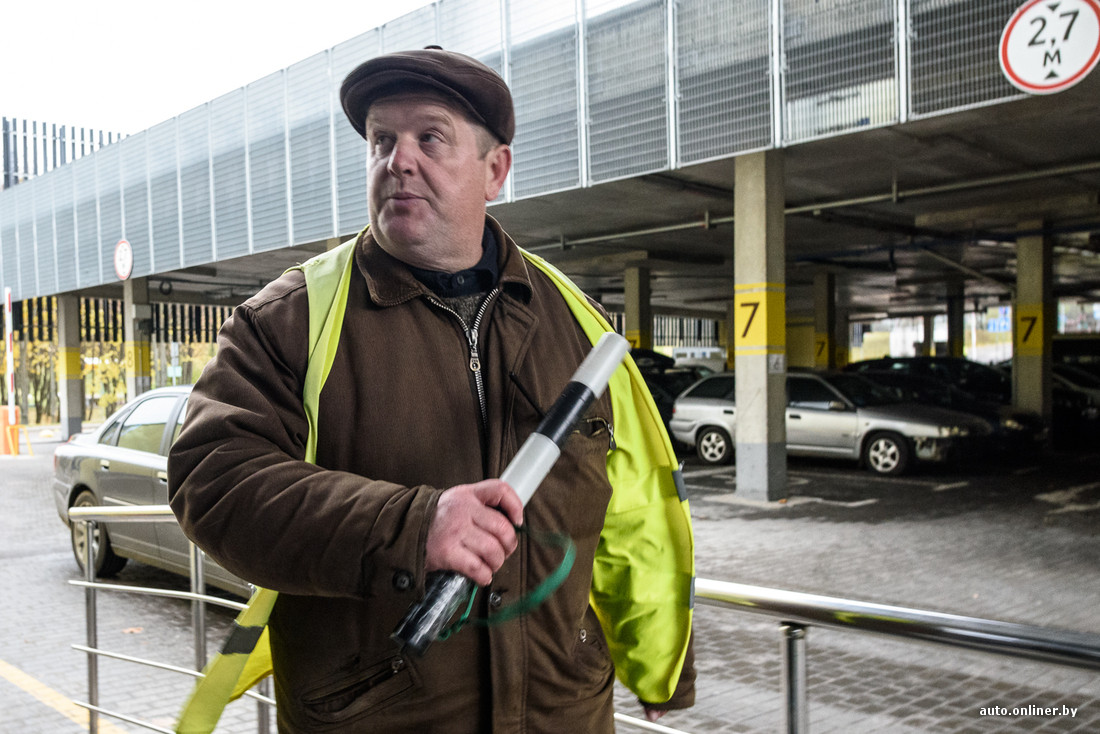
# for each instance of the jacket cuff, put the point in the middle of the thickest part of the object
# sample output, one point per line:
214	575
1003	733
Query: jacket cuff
398	567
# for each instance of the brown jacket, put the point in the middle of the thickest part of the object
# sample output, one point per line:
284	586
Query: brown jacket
344	541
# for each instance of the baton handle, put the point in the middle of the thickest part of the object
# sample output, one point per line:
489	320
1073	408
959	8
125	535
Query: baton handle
447	590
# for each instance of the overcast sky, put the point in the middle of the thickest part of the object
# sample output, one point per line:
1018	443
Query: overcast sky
125	65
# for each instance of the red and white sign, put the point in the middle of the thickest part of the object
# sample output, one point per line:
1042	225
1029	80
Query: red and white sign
124	259
1050	45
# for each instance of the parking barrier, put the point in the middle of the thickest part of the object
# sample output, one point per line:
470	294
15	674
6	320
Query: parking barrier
796	611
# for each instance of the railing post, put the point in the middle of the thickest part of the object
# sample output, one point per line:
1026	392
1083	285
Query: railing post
793	651
90	624
198	606
263	712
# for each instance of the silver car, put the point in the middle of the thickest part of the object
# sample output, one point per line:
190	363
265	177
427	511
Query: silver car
125	463
832	415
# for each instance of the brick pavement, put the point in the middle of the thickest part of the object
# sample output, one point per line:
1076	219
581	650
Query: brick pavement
983	542
987	542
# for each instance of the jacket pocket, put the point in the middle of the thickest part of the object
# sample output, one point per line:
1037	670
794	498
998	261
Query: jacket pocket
365	691
590	651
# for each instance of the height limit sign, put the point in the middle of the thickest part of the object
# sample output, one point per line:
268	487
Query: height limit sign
1050	45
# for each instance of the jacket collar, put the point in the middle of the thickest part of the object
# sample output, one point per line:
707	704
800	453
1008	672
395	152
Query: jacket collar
390	282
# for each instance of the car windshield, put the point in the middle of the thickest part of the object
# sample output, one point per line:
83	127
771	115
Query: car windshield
862	392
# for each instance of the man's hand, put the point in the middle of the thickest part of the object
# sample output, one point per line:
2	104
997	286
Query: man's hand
472	531
652	713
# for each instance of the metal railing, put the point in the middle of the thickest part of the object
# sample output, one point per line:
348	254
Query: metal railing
156	514
797	611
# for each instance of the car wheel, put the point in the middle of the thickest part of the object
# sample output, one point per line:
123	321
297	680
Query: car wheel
886	453
106	562
713	445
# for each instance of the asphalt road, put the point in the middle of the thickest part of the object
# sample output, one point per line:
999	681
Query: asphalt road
1003	540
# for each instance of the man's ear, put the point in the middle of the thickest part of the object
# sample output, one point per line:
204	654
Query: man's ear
498	162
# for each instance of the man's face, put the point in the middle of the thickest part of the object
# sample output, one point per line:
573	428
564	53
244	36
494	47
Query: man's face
428	182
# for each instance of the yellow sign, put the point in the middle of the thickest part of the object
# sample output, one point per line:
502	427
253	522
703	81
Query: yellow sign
760	318
1028	338
821	350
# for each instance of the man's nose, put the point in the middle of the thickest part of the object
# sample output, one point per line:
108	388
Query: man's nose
402	160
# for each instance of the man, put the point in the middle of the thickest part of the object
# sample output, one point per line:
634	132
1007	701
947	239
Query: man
448	345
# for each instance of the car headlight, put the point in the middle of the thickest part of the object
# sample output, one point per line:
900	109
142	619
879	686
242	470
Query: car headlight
1012	424
953	431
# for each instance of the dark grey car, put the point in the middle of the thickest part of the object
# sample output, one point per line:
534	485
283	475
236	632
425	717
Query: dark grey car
125	463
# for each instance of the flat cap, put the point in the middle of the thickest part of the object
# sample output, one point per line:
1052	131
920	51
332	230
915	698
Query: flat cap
474	86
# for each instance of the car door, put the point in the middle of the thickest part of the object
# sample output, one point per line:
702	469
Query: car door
819	421
131	469
174	547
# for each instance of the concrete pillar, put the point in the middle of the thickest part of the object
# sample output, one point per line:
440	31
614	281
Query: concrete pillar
1034	323
824	321
759	332
638	310
725	336
956	327
70	365
928	344
137	317
842	345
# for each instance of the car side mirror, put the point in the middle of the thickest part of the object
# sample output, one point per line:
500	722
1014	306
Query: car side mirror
837	405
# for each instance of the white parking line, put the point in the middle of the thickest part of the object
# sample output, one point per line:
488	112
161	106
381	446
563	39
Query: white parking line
1067	498
946	487
733	499
714	471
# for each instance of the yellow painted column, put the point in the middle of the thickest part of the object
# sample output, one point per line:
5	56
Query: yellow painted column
70	365
825	340
760	325
638	310
137	317
1033	323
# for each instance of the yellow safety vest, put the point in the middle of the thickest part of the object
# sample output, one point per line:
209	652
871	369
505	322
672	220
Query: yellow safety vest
644	569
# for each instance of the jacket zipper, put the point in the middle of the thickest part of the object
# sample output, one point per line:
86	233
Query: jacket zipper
471	333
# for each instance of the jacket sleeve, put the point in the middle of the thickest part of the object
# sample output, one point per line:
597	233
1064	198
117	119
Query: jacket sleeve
242	491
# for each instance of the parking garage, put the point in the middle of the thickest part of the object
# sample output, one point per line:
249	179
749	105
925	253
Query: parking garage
784	167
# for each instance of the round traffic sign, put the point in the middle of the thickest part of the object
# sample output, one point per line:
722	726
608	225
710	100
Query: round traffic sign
124	259
1050	45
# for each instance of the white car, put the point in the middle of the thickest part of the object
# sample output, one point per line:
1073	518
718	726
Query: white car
830	414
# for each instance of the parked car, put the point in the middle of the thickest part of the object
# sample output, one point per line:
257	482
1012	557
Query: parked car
983	381
1073	415
1014	431
125	463
831	414
665	378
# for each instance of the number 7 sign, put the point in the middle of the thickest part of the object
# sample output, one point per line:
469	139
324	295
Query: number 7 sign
1029	330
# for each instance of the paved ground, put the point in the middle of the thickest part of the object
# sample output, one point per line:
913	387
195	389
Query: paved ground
1005	541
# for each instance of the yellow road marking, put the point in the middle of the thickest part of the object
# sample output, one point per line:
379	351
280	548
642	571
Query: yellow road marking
53	699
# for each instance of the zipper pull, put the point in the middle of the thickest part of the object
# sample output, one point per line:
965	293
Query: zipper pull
611	434
475	358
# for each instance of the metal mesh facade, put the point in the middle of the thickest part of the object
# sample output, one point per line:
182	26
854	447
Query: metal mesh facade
723	77
841	66
627	91
953	63
604	89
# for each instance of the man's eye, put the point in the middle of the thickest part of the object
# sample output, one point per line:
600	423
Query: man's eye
430	138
